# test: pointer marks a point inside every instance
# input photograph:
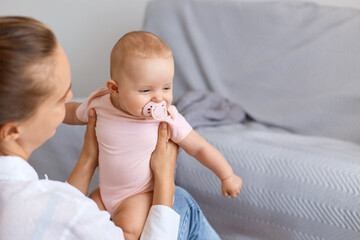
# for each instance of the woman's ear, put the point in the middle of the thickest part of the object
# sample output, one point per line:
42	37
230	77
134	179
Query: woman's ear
9	131
112	86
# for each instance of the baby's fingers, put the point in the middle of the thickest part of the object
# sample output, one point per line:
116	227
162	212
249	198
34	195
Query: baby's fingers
225	194
233	194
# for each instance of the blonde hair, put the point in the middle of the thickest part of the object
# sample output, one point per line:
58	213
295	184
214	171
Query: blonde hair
137	44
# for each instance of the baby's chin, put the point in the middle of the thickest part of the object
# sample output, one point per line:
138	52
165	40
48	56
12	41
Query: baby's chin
141	115
138	114
147	118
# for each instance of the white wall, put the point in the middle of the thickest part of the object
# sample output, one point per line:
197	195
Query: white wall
340	3
87	30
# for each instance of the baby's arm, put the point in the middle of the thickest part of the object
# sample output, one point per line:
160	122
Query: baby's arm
208	155
70	117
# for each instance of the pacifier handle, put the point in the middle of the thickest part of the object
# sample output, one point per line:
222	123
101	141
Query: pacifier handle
156	110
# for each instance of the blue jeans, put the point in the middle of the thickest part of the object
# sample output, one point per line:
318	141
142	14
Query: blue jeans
193	224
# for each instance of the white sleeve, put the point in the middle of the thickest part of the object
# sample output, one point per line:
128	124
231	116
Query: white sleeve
93	224
162	223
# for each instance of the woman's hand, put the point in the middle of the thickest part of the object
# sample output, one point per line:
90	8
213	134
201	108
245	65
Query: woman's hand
85	167
162	163
90	149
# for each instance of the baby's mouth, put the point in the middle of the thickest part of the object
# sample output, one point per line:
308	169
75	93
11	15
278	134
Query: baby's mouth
156	110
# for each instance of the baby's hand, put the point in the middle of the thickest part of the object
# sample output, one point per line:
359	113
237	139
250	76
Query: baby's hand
231	186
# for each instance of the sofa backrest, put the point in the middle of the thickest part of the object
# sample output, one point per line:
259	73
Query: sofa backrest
292	65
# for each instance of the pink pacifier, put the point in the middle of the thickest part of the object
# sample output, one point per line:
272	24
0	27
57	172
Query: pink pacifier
156	110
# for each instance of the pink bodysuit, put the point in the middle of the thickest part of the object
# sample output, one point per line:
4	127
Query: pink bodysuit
125	146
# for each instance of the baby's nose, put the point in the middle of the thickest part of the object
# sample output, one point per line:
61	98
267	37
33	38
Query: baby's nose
157	98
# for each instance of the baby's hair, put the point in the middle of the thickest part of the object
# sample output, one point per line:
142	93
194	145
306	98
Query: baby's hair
137	44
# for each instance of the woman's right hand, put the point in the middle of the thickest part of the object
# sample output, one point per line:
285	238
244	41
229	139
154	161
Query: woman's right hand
90	148
81	175
162	163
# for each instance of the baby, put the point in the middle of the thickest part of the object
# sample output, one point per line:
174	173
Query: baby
129	110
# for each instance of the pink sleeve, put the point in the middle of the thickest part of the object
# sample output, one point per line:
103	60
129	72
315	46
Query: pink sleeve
179	127
82	111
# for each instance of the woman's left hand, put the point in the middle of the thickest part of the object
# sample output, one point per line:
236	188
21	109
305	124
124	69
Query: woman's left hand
162	164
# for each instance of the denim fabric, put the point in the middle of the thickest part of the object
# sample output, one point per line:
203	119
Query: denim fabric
193	224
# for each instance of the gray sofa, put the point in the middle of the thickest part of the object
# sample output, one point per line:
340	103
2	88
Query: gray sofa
294	68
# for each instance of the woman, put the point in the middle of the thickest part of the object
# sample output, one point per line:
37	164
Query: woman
34	86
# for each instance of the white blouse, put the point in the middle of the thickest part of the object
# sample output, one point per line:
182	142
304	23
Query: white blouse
43	209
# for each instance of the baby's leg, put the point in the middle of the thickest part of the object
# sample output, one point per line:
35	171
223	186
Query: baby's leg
95	195
131	215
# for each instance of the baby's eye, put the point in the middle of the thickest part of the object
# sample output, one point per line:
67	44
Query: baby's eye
144	90
167	88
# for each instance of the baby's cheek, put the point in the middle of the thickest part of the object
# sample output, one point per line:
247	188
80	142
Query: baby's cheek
170	98
168	102
140	107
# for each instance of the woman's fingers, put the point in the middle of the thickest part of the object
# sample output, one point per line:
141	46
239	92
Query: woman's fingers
90	134
91	120
162	164
162	137
158	155
90	148
164	156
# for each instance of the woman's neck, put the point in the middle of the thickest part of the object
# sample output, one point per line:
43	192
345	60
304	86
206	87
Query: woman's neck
13	149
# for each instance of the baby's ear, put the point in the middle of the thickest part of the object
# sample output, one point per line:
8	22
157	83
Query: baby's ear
112	86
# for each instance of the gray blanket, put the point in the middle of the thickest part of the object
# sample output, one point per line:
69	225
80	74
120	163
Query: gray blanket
293	65
294	187
201	109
